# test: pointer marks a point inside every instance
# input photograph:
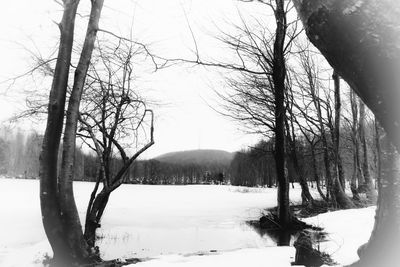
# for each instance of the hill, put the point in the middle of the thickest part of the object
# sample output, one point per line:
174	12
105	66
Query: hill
200	156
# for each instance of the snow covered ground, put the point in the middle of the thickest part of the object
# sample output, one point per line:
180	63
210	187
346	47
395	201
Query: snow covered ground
172	225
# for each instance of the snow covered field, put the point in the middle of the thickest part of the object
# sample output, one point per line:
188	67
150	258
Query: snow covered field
172	225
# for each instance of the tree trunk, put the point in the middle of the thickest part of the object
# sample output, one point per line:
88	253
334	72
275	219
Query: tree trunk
378	153
360	39
315	171
291	140
338	182
50	208
336	134
353	183
368	184
70	217
93	217
278	76
383	245
357	175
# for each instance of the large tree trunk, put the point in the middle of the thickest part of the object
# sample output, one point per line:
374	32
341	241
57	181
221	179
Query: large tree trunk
70	217
51	214
360	39
278	76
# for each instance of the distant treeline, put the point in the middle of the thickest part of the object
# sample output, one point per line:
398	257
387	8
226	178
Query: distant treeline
19	158
157	172
255	166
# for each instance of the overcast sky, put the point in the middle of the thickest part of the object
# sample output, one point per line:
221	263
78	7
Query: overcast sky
184	119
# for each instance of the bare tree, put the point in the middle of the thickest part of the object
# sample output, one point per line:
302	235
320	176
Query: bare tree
259	90
316	96
113	121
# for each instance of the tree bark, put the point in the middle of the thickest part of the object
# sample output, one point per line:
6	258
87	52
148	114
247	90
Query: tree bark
278	77
357	175
93	217
378	152
360	39
70	217
338	106
368	184
50	208
315	171
338	180
291	140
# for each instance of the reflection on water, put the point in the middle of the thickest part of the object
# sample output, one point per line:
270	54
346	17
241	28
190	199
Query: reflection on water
279	238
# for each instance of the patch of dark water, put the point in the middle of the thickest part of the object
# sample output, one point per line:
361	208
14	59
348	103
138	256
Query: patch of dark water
306	242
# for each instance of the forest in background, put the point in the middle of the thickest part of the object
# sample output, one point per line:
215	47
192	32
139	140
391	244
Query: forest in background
20	151
253	166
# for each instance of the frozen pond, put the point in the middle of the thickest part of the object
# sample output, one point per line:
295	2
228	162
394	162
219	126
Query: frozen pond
146	220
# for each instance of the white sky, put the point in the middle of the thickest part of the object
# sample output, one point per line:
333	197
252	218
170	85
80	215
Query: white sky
184	121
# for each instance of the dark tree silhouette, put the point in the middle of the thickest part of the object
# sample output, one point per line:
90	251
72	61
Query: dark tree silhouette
112	118
60	216
360	39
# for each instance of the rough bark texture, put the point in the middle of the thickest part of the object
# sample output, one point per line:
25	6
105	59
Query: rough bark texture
70	217
278	76
361	40
50	208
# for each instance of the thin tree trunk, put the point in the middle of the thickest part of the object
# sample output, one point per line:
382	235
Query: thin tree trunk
339	181
368	184
48	173
315	171
94	216
336	134
278	76
328	174
357	175
291	138
353	183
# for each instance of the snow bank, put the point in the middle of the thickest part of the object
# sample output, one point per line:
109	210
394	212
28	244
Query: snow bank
347	231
